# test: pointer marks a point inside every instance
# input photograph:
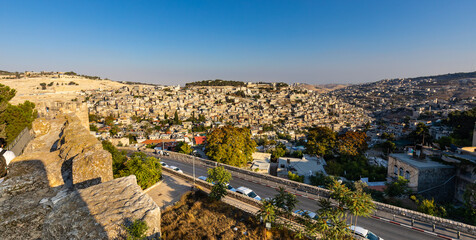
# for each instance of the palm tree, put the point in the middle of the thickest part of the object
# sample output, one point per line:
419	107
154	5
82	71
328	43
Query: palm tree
267	212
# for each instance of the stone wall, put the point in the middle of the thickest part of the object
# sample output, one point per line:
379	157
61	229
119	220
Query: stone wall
61	187
101	211
83	154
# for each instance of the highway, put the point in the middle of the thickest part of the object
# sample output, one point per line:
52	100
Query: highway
384	229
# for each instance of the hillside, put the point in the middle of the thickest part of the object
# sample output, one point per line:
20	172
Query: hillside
403	92
196	217
31	89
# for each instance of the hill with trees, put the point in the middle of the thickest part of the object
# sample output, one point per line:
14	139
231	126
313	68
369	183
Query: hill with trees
216	82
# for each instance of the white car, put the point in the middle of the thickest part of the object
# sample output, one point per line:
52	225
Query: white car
248	192
176	169
228	186
362	232
164	164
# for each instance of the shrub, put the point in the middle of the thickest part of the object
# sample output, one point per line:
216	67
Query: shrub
137	230
295	177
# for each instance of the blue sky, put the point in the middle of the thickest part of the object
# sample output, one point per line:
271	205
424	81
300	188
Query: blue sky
171	42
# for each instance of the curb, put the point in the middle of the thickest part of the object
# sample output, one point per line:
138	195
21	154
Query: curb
153	186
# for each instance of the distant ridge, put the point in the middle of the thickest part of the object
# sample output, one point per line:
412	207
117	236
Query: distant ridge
443	77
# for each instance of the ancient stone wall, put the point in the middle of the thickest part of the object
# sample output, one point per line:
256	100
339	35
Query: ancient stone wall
61	187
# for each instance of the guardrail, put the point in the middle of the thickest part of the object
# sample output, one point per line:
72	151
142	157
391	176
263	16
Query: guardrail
304	189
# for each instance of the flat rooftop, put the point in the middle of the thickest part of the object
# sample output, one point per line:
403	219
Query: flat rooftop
427	163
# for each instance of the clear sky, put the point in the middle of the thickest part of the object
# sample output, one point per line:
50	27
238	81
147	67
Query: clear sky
171	42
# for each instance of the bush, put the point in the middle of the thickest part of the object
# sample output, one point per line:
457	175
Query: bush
137	230
147	170
397	188
295	177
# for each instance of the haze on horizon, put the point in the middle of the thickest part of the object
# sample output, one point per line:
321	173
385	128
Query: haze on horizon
174	42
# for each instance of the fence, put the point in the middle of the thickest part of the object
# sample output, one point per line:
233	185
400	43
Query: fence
20	142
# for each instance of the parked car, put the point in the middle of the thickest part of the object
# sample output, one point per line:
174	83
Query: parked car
306	213
248	192
176	169
165	153
362	232
228	186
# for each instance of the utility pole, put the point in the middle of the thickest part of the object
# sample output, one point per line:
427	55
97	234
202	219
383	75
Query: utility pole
193	156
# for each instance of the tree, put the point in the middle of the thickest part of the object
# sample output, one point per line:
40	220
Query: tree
220	178
319	179
463	125
93	118
93	127
284	200
184	148
421	134
397	188
320	141
109	120
390	137
176	120
352	143
14	118
332	222
118	158
230	145
267	212
445	142
114	130
147	170
278	152
359	203
469	197
388	147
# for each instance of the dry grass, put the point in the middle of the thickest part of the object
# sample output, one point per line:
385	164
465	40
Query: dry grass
196	217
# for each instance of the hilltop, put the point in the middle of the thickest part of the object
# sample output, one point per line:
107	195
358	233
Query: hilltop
52	86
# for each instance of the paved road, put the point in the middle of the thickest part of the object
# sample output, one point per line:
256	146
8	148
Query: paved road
384	229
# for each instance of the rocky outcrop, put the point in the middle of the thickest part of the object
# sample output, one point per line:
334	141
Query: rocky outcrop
91	213
86	162
61	187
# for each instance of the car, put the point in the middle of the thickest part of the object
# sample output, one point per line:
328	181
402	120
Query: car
203	178
362	232
248	192
166	153
306	213
230	188
176	169
164	164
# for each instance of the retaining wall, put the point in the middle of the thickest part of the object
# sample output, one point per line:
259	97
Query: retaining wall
20	142
321	192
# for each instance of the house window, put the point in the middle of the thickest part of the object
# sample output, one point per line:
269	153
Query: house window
395	170
401	172
407	175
